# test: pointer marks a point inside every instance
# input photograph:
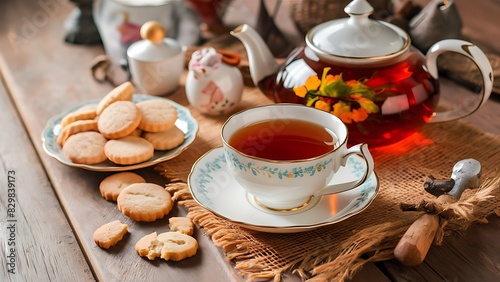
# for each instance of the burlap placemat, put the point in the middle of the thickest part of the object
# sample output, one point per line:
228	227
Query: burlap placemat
337	251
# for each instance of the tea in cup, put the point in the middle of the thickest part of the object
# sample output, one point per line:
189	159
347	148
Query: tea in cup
285	155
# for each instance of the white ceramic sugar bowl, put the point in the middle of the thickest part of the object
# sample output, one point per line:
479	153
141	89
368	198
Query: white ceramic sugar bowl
156	62
214	84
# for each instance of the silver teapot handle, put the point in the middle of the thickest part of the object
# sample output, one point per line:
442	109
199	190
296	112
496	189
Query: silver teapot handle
473	52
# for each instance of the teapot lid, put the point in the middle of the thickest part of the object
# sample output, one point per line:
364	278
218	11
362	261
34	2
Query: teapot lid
154	46
357	36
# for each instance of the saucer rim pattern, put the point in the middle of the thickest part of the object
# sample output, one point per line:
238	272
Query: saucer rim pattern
284	229
50	132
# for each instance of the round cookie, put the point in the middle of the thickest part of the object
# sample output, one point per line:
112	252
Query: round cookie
157	115
83	113
112	185
85	148
129	150
76	127
174	246
137	132
119	120
165	140
123	92
145	202
110	234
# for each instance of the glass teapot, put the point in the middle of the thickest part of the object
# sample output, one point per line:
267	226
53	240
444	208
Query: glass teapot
366	72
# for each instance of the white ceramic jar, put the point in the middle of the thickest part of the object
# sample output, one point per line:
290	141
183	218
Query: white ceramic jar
155	62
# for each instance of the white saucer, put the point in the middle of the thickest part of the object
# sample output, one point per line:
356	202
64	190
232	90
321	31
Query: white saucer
213	188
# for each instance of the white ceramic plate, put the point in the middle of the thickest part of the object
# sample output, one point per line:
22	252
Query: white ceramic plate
185	122
213	188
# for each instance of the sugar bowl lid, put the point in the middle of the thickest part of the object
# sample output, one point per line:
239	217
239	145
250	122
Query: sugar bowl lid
155	46
357	37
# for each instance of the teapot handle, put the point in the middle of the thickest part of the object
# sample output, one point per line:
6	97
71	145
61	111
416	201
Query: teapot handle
479	58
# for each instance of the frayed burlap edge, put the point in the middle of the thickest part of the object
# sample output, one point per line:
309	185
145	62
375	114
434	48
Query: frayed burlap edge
372	244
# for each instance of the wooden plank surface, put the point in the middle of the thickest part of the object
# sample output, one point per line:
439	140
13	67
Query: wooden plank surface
37	243
47	76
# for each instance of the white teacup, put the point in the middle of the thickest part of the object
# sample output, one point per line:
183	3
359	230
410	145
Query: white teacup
287	185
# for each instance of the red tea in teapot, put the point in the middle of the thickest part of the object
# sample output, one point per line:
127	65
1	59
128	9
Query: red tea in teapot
366	73
379	105
289	140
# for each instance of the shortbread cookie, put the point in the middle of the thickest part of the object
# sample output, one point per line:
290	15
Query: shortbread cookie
165	140
119	119
85	148
83	113
110	234
129	150
112	185
183	225
172	246
157	115
142	246
137	132
123	92
145	202
74	128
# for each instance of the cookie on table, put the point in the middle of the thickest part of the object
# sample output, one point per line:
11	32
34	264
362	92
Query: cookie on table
165	140
119	119
110	234
157	115
85	148
172	246
145	202
129	150
112	185
87	112
183	225
123	92
74	128
142	246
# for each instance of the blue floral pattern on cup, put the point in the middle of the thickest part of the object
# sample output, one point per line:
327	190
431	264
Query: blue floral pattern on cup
276	172
206	187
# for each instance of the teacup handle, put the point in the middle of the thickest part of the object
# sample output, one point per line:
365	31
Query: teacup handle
362	151
479	58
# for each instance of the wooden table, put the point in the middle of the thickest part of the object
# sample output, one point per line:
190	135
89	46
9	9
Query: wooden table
47	234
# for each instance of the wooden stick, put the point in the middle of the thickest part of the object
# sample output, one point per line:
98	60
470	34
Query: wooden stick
414	245
416	242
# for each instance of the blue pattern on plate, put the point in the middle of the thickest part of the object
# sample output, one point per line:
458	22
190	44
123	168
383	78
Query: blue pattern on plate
205	177
185	122
209	181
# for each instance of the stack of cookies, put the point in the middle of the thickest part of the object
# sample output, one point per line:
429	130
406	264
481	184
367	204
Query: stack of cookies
119	130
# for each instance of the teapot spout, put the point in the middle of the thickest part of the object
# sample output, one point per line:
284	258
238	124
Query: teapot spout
261	60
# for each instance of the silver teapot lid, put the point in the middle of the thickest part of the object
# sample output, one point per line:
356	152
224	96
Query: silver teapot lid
357	36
